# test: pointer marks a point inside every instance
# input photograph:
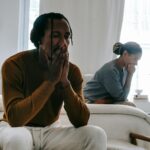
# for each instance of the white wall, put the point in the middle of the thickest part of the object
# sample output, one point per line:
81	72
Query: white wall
9	15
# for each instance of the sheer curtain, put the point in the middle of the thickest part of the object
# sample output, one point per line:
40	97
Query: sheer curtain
96	26
136	27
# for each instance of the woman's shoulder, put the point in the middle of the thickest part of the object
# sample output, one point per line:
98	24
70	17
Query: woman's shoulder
109	66
108	69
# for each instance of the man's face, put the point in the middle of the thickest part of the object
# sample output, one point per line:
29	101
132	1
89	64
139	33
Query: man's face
58	38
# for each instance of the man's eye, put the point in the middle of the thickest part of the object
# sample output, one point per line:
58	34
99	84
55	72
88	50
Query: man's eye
55	35
67	36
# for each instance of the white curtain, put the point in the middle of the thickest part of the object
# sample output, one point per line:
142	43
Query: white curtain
136	27
9	18
96	26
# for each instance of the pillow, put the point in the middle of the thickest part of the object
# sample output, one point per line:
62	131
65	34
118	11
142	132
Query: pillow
86	78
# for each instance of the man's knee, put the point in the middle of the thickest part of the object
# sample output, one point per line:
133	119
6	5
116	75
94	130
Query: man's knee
18	138
93	137
94	132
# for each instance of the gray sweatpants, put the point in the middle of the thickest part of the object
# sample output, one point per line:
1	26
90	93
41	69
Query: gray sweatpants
51	138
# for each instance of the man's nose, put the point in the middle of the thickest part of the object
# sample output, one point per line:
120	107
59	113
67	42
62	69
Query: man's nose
63	42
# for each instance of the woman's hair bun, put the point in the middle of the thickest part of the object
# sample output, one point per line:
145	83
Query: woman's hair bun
117	47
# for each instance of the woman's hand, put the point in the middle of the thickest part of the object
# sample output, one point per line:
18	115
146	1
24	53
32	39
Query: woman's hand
131	68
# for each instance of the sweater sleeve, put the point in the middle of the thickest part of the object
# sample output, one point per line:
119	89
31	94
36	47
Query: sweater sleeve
19	110
74	102
112	83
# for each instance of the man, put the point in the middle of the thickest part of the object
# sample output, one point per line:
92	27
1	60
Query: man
36	83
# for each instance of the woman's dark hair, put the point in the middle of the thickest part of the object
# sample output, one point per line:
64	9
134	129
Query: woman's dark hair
130	47
42	23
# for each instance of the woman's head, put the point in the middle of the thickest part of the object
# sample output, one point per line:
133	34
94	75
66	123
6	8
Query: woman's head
129	52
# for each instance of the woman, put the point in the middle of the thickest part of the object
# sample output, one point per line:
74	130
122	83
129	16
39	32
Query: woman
111	83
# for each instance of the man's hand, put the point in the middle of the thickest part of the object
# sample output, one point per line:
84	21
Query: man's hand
54	63
56	58
64	77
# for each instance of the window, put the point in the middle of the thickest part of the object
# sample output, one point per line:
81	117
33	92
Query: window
33	14
136	27
28	11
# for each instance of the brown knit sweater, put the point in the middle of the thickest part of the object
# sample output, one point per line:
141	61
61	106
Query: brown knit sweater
31	99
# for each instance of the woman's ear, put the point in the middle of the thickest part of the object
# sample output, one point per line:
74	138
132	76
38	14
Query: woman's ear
125	53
